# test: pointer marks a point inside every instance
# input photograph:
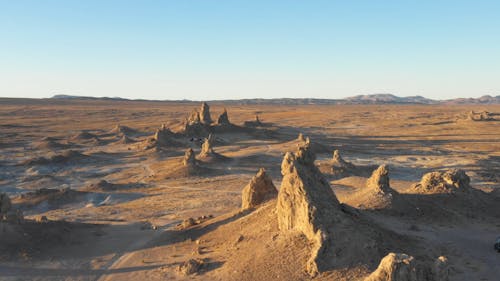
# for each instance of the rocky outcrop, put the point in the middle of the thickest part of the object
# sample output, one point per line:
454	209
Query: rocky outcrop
395	267
194	126
379	181
306	203
190	267
450	181
163	136
301	137
205	114
340	163
189	159
223	119
481	116
206	148
259	190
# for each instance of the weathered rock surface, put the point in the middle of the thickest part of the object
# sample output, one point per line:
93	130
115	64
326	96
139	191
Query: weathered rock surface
190	267
206	148
194	126
339	162
259	190
223	119
306	203
450	181
189	158
379	181
205	114
395	267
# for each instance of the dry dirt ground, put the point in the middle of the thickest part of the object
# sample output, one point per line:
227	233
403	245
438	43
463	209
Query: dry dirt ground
126	228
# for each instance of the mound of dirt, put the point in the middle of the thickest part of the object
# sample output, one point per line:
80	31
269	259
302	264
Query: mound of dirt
259	190
306	203
449	181
64	157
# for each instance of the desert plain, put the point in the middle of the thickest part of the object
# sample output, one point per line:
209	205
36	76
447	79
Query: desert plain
142	190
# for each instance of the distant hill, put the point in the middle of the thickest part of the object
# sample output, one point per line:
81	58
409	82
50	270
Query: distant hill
69	97
360	99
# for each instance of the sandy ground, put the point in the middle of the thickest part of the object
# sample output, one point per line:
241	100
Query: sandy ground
128	232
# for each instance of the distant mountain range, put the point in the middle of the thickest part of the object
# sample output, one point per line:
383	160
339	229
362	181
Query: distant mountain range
360	99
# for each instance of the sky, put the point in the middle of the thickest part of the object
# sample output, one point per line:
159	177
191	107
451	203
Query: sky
204	50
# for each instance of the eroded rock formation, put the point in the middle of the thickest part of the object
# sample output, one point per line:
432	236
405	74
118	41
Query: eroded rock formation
306	203
189	159
206	148
339	162
379	181
205	114
395	267
449	181
259	190
301	137
223	119
163	136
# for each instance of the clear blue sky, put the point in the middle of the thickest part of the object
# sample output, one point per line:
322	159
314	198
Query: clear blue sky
243	49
